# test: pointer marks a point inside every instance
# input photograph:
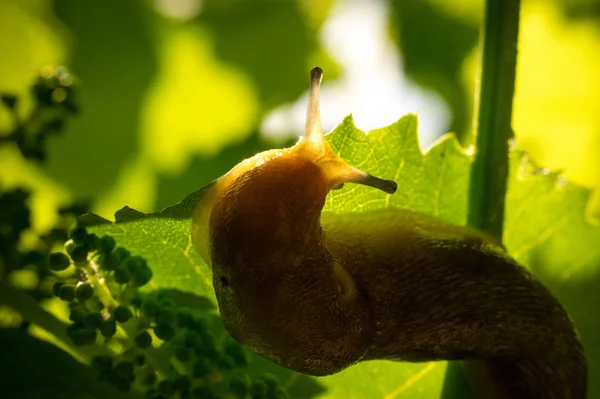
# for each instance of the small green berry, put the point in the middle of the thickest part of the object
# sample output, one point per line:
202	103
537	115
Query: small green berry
67	292
124	369
149	379
164	331
192	340
240	385
78	235
226	363
84	291
258	390
108	328
142	277
184	317
79	255
165	315
77	314
122	314
149	308
58	261
121	254
237	353
183	383
93	320
183	354
108	261
201	368
271	381
123	385
122	276
134	263
81	335
92	242
56	288
102	362
140	359
143	340
106	244
166	387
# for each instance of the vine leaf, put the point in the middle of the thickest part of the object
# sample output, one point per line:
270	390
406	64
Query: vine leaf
545	229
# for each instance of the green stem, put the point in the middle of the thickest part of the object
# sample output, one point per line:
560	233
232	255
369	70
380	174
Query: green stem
493	120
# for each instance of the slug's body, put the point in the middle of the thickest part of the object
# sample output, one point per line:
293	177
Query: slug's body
318	293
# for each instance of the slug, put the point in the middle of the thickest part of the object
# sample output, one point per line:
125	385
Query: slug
318	293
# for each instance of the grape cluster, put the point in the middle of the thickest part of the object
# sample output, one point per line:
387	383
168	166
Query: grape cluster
53	96
160	347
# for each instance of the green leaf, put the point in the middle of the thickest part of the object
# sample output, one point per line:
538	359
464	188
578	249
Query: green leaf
546	229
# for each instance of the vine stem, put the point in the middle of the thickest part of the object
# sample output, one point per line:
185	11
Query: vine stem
493	117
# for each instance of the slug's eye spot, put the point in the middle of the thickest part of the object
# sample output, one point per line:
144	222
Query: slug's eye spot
224	281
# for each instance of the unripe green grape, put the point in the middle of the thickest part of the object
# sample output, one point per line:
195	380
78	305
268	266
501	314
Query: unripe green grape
84	291
226	363
93	320
149	308
56	288
165	315
125	369
107	244
58	261
123	385
77	314
122	276
121	254
237	353
102	362
183	383
108	328
142	276
108	261
166	387
271	381
239	386
78	235
192	339
149	379
79	255
201	368
208	341
143	340
140	359
184	317
92	242
258	390
164	331
67	292
122	314
183	354
81	335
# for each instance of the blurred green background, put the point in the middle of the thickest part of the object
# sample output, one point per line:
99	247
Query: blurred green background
175	92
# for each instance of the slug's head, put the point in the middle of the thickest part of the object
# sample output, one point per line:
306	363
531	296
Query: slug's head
279	289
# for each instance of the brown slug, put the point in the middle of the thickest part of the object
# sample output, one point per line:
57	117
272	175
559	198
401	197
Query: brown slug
318	292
